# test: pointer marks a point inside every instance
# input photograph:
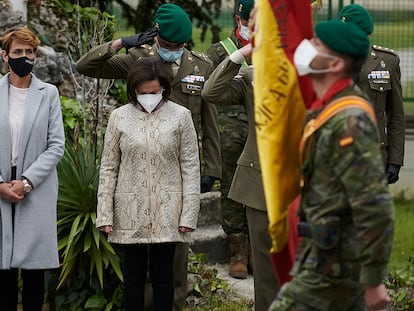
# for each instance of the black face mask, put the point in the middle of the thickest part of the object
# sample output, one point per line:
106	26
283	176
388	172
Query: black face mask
22	66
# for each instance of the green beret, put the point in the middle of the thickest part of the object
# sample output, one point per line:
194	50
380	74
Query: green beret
173	23
343	38
354	13
243	9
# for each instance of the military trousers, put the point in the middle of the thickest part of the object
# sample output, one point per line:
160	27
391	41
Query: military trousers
233	135
312	291
266	285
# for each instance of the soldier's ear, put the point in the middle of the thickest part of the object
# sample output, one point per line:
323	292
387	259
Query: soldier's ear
337	64
237	19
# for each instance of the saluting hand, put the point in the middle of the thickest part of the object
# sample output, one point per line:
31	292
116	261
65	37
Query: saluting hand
246	50
139	38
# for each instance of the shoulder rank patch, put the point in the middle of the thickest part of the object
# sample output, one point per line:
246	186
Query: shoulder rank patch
146	46
202	56
346	141
383	49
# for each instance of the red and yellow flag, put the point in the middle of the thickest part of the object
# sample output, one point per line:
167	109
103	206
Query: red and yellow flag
280	25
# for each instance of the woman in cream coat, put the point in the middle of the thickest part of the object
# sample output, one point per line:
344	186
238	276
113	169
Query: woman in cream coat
149	188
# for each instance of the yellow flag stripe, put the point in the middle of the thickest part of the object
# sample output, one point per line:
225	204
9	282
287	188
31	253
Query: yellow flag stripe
279	113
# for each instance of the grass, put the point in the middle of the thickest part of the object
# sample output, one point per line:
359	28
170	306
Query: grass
395	35
202	46
403	247
408	95
400	281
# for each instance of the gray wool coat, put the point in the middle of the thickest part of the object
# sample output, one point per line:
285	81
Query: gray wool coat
32	243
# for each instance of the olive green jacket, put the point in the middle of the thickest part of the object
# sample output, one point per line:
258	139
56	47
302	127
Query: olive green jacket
229	86
380	78
103	62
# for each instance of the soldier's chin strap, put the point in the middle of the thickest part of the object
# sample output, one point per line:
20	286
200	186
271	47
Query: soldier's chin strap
327	113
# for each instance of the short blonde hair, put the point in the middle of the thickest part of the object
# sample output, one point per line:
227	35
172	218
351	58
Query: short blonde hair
21	34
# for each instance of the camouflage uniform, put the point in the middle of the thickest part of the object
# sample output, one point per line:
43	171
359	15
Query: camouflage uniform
195	68
349	212
233	129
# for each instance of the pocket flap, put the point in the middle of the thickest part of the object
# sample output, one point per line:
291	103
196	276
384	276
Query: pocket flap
325	232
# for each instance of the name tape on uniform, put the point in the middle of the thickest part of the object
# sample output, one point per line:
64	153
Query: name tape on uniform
193	78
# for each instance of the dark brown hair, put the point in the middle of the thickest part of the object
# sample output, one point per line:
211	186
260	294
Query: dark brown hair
147	69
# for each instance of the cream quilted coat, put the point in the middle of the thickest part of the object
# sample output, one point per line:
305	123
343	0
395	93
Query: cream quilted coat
150	175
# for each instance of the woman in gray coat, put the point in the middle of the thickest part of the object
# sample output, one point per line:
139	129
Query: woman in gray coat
149	184
31	145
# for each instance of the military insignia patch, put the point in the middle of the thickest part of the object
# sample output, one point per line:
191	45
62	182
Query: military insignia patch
193	79
346	141
196	70
382	63
379	74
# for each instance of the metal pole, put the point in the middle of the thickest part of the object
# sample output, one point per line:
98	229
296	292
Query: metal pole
330	9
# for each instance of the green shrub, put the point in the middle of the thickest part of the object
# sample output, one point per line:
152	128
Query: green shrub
90	265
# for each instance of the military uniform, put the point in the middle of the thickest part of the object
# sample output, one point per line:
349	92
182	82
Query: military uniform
195	68
349	217
380	78
228	86
233	133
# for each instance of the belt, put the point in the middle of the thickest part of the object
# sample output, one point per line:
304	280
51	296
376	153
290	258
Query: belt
304	229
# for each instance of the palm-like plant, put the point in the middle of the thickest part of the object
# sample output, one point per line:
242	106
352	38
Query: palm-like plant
82	247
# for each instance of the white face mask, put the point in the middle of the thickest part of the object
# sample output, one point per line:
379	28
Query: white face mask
304	55
149	101
244	32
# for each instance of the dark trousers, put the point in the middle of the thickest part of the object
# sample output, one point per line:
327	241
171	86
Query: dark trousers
158	260
32	293
266	285
180	279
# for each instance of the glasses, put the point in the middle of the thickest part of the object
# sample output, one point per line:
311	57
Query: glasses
168	45
23	52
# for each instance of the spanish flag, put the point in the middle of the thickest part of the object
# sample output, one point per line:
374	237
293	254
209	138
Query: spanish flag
280	102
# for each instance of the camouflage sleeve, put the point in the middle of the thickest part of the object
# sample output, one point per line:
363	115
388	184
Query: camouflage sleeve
358	165
103	62
217	53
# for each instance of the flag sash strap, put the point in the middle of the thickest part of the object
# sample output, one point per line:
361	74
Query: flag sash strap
328	112
231	47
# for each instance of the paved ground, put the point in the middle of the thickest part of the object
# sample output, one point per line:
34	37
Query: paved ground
244	288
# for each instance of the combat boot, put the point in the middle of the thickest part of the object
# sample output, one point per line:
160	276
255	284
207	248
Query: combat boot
238	244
